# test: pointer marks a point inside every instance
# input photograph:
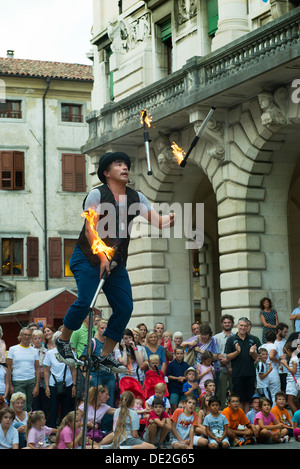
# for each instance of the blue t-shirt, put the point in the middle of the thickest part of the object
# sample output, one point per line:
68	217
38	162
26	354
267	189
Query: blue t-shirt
186	387
296	417
215	424
176	368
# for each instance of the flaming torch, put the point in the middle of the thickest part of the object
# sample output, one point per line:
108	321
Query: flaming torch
98	245
146	121
182	163
178	152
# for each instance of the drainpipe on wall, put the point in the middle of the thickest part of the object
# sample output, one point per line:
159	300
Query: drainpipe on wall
48	79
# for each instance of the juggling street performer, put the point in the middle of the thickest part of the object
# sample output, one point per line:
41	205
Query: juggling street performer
114	205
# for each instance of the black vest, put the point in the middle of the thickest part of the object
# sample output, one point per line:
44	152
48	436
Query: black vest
122	243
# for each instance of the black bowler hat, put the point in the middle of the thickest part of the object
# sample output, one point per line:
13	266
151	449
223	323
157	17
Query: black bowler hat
109	158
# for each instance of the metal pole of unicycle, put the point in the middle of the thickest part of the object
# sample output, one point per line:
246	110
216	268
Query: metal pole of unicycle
88	360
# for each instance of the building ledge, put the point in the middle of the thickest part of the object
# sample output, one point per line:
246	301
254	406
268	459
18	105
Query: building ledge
237	72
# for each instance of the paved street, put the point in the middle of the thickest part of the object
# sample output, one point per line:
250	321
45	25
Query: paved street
292	444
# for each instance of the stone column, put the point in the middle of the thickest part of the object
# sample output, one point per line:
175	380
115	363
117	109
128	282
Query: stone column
233	22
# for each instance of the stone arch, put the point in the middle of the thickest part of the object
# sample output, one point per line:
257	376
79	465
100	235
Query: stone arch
250	134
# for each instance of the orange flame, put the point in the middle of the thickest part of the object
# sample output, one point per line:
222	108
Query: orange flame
98	245
145	118
178	152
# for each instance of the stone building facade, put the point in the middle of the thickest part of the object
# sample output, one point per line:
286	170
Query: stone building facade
177	59
44	175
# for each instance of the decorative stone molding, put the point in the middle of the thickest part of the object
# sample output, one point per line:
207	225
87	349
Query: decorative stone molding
280	7
213	133
164	152
274	107
126	35
185	10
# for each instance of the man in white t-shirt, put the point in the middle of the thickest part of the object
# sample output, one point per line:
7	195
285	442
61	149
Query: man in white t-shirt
23	368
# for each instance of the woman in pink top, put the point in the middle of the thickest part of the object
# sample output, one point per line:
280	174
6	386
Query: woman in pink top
270	427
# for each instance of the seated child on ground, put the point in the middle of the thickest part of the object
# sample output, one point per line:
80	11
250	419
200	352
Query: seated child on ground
158	424
270	428
216	425
183	423
281	413
236	419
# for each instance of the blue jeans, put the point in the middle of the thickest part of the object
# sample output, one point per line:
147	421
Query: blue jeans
116	288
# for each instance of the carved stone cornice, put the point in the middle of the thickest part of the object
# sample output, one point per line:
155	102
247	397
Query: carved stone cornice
125	35
274	106
213	134
185	10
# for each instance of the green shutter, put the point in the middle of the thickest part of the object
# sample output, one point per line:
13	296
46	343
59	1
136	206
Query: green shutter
111	81
166	30
213	16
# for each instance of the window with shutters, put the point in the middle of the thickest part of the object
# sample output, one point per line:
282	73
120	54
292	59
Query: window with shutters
12	174
32	256
55	258
11	109
213	16
12	256
166	38
69	245
73	173
71	112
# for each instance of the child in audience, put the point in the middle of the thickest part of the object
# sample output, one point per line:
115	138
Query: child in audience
158	424
216	425
209	387
183	423
67	436
205	370
176	376
296	423
138	407
203	411
126	425
254	408
263	370
159	391
281	413
9	436
37	431
191	386
154	363
240	431
270	428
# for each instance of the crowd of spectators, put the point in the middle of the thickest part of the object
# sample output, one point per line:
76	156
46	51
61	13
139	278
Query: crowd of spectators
212	390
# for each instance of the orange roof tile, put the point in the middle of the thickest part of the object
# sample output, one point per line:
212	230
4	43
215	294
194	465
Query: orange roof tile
42	69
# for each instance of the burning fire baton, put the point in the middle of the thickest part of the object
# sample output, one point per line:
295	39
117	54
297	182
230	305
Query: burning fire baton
179	153
146	121
97	246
